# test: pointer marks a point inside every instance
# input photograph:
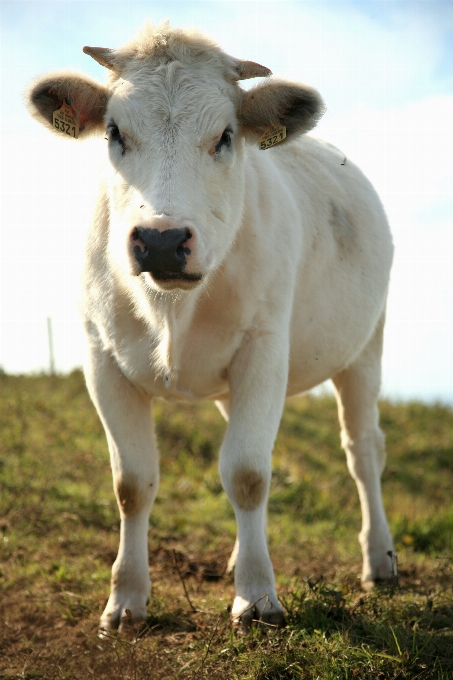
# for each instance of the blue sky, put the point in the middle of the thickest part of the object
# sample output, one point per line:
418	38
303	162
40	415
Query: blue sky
384	68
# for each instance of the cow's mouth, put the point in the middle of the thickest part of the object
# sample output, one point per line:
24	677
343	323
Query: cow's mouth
175	276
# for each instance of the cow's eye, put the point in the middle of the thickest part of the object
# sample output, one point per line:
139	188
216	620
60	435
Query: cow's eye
114	135
225	139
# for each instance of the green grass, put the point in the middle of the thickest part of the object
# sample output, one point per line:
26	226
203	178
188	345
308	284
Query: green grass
59	534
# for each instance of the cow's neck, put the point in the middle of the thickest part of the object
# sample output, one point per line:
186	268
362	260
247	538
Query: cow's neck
173	316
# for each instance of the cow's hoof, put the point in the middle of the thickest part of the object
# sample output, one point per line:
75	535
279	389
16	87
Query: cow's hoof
243	623
270	617
124	622
131	626
374	583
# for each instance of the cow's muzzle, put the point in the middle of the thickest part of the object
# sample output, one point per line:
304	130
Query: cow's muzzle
163	253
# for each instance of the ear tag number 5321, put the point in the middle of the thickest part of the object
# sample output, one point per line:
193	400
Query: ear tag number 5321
65	121
273	135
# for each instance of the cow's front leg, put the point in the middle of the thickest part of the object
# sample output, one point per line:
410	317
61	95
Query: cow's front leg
126	416
258	379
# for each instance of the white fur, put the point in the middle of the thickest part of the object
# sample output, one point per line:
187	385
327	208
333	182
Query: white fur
295	253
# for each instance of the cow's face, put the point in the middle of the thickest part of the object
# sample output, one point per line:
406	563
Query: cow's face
176	173
176	122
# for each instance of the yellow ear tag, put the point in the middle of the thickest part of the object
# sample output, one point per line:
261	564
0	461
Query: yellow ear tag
272	135
65	121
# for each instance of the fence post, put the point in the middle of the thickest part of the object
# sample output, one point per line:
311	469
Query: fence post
51	354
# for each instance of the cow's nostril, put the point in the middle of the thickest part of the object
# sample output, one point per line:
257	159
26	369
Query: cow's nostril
181	251
139	243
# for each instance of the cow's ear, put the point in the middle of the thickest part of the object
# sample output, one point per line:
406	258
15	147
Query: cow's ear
280	103
77	97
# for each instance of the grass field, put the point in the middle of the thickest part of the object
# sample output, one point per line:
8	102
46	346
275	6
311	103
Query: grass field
59	534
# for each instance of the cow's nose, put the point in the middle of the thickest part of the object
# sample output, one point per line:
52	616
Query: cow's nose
161	251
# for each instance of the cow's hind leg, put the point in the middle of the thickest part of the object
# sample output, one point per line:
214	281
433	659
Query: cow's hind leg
357	390
126	416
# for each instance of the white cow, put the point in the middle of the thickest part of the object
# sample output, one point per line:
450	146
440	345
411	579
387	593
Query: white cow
216	270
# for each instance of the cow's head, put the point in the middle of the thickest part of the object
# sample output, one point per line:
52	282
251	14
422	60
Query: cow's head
176	123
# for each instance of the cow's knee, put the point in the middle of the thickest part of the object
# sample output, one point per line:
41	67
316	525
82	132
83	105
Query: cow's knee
247	487
133	494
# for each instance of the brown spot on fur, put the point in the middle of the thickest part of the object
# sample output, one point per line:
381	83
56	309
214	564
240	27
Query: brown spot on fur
342	227
218	214
129	494
249	488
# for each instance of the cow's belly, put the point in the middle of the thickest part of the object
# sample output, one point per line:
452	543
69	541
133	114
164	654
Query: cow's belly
329	330
312	363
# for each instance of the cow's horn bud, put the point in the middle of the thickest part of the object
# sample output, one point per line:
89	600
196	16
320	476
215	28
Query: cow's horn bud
103	55
250	69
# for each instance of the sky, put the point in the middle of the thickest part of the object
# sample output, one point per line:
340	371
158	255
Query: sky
385	71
